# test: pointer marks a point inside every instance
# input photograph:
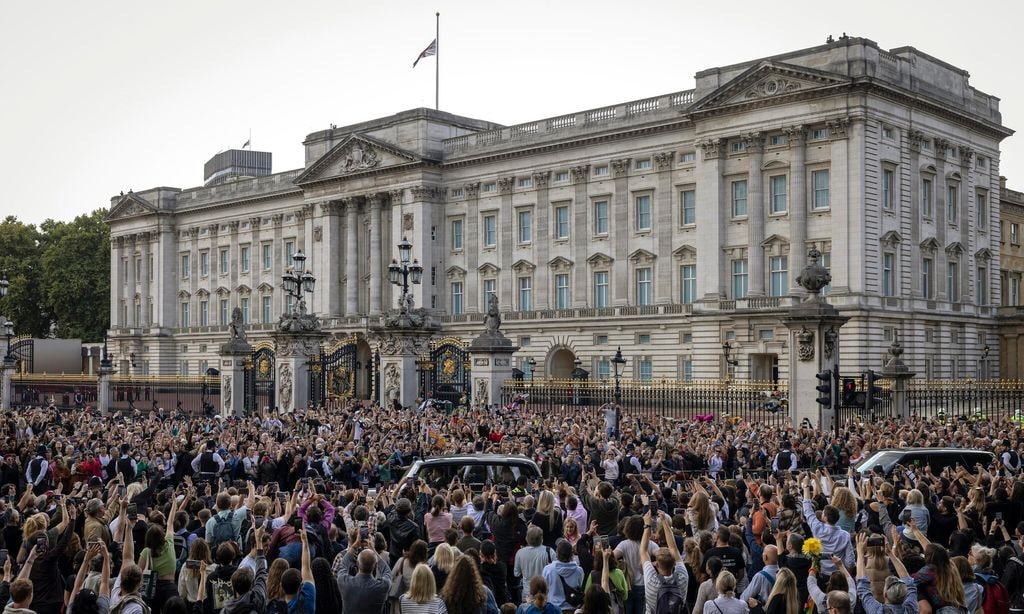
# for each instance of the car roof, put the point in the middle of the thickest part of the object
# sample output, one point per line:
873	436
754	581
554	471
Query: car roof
467	458
933	450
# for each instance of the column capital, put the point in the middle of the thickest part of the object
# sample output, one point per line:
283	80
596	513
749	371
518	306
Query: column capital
327	207
396	196
712	148
966	155
426	193
620	167
255	221
193	232
838	129
580	173
472	189
754	142
941	147
277	219
916	138
308	209
144	238
664	160
213	229
374	200
540	179
505	184
796	136
233	226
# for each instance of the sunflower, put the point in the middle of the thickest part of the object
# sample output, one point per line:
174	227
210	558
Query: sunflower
812	547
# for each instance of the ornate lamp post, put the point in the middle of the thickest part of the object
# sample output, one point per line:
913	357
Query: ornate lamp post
532	362
729	362
297	280
618	363
401	273
9	333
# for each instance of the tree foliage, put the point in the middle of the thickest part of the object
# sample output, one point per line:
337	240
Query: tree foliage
58	272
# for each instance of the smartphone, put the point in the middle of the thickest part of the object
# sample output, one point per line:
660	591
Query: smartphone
283	497
9	498
41	543
999	516
296	523
904	516
258	521
364	533
603	540
192	564
243	492
371	492
679	511
122	491
133	512
876	541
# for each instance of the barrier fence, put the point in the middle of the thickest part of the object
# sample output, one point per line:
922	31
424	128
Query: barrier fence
765	402
188	394
977	398
73	391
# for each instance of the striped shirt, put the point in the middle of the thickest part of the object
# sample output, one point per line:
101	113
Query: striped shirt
434	606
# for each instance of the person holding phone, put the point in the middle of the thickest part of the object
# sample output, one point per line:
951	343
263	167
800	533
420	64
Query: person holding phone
46	577
629	549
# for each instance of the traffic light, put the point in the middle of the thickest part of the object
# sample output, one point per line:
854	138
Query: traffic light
874	395
849	392
824	388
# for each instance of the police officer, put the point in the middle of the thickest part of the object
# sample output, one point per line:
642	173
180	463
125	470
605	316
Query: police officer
209	464
126	465
38	472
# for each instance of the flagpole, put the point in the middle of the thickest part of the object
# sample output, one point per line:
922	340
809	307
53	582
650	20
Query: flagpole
437	61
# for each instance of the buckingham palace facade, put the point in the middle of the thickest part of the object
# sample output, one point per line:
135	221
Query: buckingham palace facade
668	226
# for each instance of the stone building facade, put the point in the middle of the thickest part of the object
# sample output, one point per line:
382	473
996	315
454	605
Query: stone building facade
1011	264
668	226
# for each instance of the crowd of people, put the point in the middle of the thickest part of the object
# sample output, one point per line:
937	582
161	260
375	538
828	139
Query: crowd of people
308	513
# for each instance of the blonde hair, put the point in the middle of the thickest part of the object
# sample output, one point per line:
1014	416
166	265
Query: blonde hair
545	502
725	583
444	557
785	585
844	501
982	556
34	524
422	587
703	516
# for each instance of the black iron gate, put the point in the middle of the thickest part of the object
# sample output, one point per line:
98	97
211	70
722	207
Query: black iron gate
259	379
445	372
23	351
335	374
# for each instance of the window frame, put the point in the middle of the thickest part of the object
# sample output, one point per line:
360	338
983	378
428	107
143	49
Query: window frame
691	219
524	290
774	196
598	205
559	210
687	284
458	226
563	295
490	233
888	280
456	300
739	277
928	277
781	273
647	285
601	290
735	198
638	215
815	190
927	196
524	232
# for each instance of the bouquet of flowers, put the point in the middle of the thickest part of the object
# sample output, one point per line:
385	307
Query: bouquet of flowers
812	549
704	417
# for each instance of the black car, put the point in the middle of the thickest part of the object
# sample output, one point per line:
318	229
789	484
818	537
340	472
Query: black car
936	458
473	469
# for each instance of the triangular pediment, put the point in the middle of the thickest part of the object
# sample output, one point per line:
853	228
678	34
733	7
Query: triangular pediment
559	263
685	252
130	205
600	259
222	291
892	238
641	256
775	239
955	248
203	293
983	254
243	289
523	266
456	272
768	79
488	269
929	244
356	154
265	287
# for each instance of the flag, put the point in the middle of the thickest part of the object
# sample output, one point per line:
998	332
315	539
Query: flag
246	144
429	51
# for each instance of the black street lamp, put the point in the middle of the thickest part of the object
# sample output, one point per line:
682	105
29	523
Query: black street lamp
401	273
532	362
105	363
729	362
297	280
4	285
9	333
618	363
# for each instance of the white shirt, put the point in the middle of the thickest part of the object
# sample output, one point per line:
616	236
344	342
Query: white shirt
611	469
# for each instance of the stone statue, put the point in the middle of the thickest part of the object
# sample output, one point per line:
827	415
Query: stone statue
53	331
805	344
392	382
492	321
226	393
236	329
814	277
481	392
358	158
284	395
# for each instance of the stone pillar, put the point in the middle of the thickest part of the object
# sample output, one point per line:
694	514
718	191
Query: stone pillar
897	371
145	299
351	258
797	205
130	298
711	219
103	396
6	383
622	231
664	229
116	281
471	246
508	241
399	349
294	351
233	355
376	255
813	347
491	355
755	212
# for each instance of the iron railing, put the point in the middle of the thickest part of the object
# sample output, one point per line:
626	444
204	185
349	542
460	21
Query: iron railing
74	391
183	393
966	397
762	401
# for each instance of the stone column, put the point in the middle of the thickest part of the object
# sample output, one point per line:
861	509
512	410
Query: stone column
116	281
6	383
797	205
896	370
620	233
508	240
471	246
146	299
755	212
664	228
351	258
130	299
376	255
580	232
710	221
813	347
233	355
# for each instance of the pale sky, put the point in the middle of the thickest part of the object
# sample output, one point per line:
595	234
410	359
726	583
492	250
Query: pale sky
98	97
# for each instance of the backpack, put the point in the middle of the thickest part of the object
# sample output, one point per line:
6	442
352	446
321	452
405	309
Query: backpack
117	609
670	598
223	531
784	461
403	534
574	595
996	599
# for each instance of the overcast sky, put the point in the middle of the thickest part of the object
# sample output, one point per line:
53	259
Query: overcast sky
98	97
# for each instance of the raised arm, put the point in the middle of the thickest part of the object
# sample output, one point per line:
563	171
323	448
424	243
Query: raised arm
307	570
170	517
670	539
645	541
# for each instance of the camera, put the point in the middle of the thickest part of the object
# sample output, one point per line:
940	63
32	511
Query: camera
192	564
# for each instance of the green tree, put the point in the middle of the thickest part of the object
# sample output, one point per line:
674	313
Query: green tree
75	262
20	247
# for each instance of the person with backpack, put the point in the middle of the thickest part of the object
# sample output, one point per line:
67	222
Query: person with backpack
665	579
900	591
785	460
565	579
760	585
225	525
995	599
402	528
37	472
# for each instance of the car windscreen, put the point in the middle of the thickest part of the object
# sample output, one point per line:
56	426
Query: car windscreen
885	458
